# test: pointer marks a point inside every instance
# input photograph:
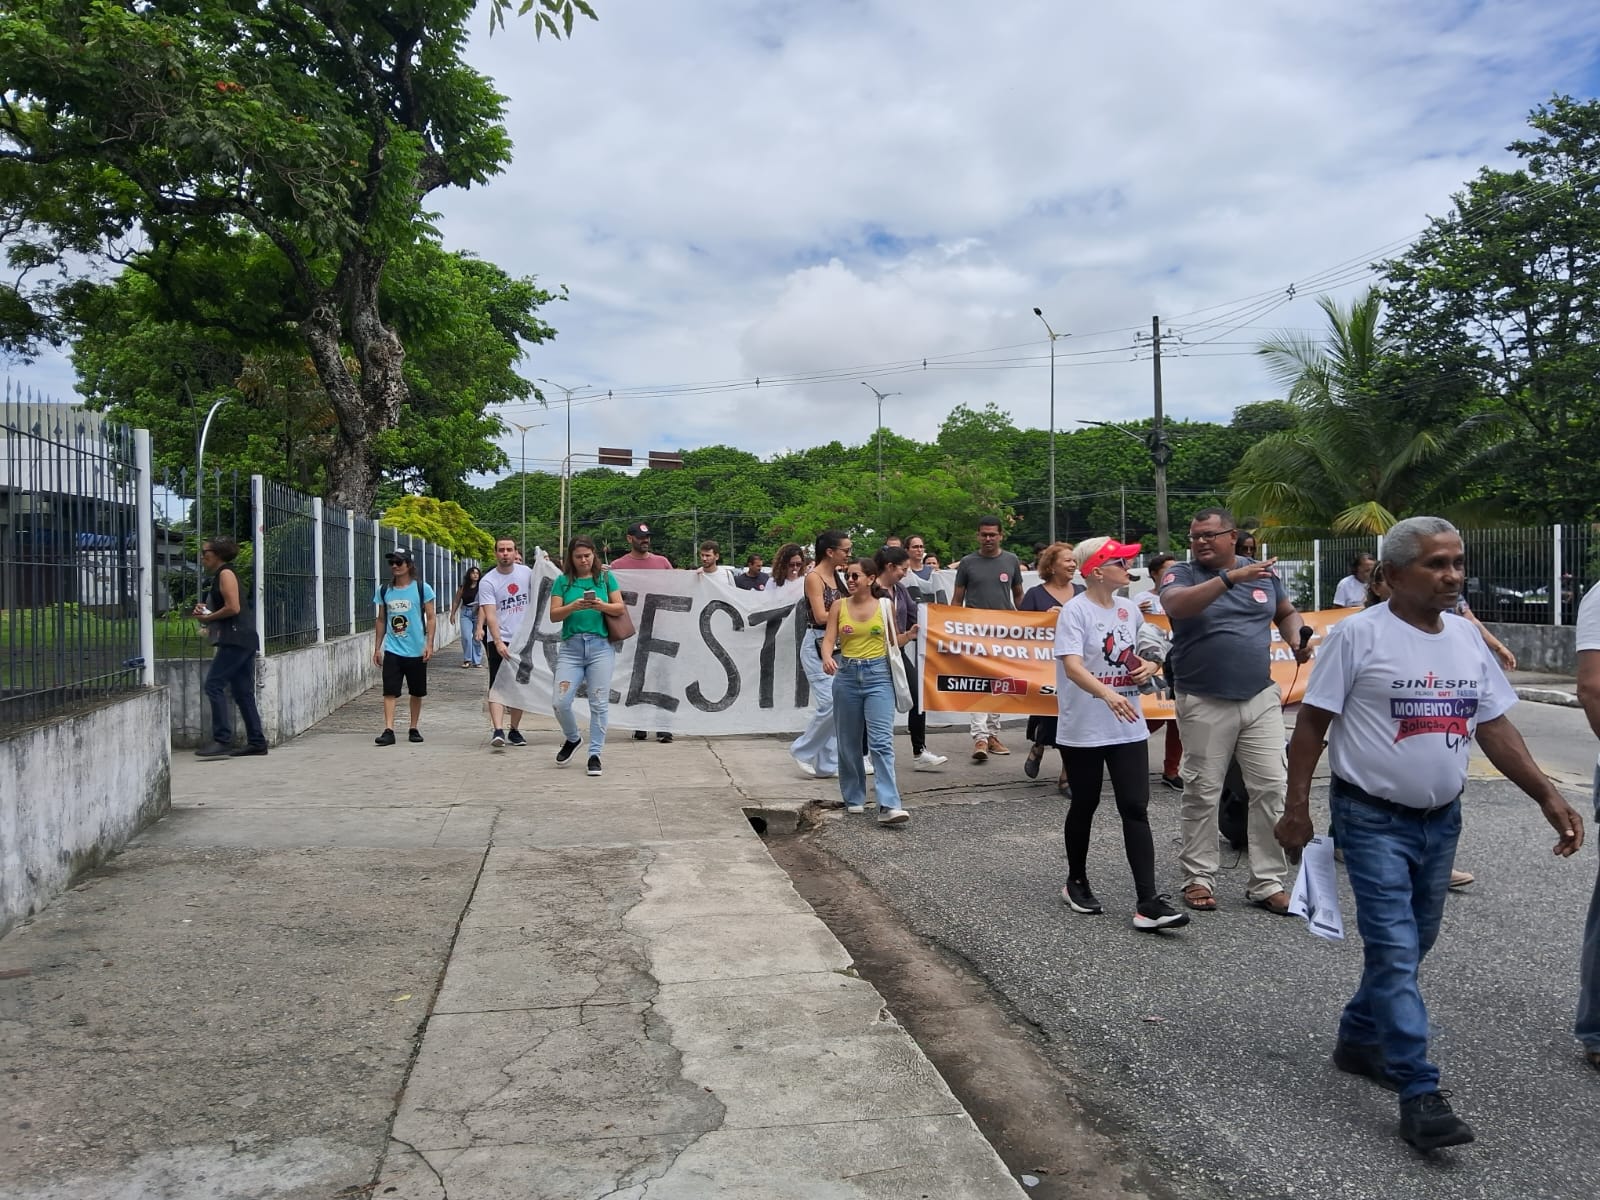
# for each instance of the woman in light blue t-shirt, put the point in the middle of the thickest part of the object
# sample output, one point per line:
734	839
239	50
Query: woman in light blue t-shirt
581	599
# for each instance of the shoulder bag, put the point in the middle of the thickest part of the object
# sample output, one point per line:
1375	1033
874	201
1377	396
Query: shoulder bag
897	665
619	628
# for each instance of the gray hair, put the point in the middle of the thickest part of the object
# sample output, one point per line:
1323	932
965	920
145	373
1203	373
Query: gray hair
1403	543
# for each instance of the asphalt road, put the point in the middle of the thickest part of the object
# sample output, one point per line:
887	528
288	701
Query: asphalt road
1206	1049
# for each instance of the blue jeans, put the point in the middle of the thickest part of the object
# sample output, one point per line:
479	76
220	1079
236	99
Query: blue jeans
863	697
233	670
819	744
585	658
1588	1026
1399	868
471	651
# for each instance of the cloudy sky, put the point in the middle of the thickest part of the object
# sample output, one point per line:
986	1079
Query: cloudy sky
818	193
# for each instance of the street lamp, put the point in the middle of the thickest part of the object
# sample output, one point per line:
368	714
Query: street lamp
522	464
1053	337
200	485
566	464
882	396
1160	454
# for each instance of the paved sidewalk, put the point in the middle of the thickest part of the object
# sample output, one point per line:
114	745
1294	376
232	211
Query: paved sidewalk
431	970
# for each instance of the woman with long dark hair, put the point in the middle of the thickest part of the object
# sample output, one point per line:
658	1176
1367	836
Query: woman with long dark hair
863	690
583	595
816	751
464	608
788	566
1058	570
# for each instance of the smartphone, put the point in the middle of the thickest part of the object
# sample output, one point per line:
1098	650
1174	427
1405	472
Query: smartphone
588	593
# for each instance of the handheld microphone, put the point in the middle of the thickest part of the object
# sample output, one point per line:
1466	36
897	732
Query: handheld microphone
1305	636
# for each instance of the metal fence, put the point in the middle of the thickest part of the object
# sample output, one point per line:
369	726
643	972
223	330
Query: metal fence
289	568
337	584
1532	575
74	491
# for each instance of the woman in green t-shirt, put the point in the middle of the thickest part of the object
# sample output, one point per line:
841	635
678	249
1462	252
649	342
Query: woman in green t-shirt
581	599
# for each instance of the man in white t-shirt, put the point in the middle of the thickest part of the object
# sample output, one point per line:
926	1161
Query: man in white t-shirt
1400	691
1588	646
505	597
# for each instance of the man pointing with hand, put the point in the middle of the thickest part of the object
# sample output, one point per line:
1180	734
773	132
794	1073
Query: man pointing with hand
1400	691
1222	608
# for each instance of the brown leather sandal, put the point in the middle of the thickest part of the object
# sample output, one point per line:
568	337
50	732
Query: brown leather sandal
1200	898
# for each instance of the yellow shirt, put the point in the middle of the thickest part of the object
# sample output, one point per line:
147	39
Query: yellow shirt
861	639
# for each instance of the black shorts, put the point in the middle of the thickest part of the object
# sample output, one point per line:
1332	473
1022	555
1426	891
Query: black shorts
491	652
397	668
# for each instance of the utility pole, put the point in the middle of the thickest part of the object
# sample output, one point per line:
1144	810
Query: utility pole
1160	452
566	463
881	397
1054	337
1124	489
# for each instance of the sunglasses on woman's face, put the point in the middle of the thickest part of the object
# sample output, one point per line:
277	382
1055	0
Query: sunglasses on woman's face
857	575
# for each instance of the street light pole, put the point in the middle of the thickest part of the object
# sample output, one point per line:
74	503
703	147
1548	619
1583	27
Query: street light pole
522	467
1053	336
881	396
566	463
200	486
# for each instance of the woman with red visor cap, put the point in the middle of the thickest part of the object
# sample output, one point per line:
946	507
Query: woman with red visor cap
1101	728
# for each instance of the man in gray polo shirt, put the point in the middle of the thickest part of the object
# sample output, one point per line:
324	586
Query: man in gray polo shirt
991	578
1222	608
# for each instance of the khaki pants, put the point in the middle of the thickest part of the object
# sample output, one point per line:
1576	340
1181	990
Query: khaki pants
1215	732
984	725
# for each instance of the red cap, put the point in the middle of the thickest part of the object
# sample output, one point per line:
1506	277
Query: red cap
1112	549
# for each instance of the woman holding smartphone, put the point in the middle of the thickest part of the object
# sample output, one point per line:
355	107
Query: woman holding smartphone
581	598
863	690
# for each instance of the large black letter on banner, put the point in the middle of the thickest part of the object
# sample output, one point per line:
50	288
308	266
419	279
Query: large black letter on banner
697	696
647	644
550	641
773	619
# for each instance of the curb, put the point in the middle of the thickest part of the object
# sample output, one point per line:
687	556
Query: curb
1541	695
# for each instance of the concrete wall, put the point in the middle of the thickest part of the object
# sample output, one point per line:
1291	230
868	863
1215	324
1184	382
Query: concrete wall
294	690
73	791
1539	647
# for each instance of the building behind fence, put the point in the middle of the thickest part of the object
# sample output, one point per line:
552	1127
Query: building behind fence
99	560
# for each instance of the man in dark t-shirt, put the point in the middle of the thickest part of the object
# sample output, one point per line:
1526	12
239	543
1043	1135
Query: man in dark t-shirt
991	578
1222	608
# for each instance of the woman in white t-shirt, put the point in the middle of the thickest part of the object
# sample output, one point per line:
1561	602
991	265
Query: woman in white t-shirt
1352	589
1102	731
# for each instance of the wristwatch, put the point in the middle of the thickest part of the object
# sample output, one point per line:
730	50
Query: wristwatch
1227	581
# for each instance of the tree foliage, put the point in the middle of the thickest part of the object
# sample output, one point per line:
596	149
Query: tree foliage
158	134
1499	302
443	522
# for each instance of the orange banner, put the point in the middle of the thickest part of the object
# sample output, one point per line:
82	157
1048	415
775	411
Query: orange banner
984	660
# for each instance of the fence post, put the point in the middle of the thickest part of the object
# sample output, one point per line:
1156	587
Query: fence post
1555	577
319	595
1316	573
350	561
258	564
144	509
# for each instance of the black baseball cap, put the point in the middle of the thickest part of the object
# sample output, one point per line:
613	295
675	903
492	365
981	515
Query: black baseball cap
638	529
398	556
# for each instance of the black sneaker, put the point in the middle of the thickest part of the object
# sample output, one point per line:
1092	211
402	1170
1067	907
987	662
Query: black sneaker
1175	782
515	737
497	739
213	750
1353	1058
1429	1123
594	766
1156	913
414	736
563	754
247	751
663	738
1080	899
639	735
386	738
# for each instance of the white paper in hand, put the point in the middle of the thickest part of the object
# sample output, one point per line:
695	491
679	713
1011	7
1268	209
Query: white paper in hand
1316	891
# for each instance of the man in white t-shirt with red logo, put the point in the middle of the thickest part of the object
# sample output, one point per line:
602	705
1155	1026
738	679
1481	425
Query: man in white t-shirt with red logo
505	595
1400	691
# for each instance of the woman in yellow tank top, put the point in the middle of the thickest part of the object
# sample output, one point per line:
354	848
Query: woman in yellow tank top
863	691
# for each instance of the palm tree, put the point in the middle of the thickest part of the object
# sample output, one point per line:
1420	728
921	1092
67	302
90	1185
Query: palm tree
1363	454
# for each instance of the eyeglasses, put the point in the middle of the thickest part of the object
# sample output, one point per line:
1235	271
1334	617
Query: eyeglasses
1212	536
857	575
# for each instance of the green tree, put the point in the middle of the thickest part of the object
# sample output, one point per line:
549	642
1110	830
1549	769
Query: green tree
443	522
320	126
1501	298
1360	456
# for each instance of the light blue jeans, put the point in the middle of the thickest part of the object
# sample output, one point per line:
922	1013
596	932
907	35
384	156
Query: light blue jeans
1399	869
1588	1026
819	744
863	697
584	658
471	651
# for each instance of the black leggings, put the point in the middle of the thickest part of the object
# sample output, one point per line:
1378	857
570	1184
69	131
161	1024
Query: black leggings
916	719
1128	764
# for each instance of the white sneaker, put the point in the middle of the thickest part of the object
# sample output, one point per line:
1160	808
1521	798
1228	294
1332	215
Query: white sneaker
867	762
928	760
806	768
893	816
855	808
